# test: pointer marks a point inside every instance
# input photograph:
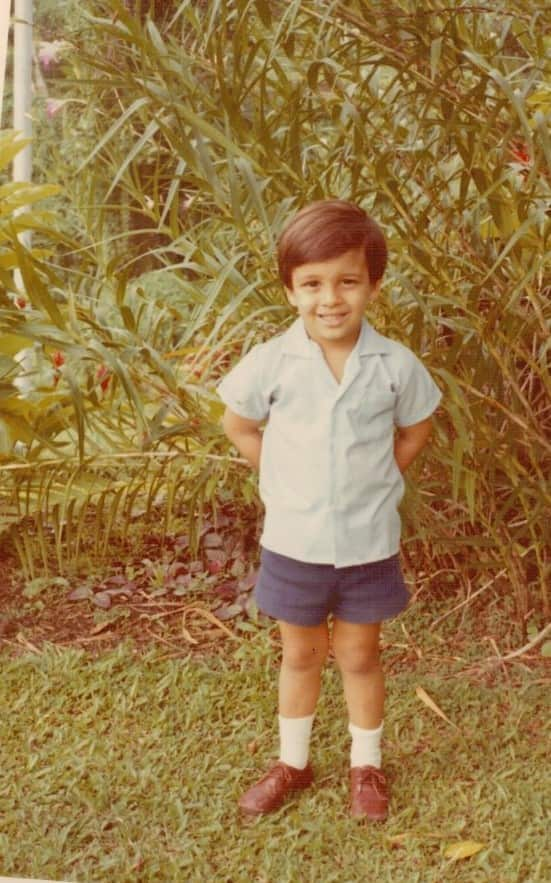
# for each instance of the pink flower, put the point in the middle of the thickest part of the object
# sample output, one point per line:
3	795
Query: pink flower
49	53
53	106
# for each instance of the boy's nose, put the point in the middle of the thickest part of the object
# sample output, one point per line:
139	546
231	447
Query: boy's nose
329	295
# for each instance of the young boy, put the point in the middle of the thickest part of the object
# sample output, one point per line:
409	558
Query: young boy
330	391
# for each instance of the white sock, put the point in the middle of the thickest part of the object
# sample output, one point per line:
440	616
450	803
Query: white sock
294	740
366	746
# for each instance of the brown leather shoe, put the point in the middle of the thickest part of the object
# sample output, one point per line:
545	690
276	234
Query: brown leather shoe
368	793
271	790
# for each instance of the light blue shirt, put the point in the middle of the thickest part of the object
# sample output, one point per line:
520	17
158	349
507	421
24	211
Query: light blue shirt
328	477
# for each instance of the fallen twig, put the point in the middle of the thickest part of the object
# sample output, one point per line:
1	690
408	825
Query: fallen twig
179	609
498	660
21	639
163	640
533	642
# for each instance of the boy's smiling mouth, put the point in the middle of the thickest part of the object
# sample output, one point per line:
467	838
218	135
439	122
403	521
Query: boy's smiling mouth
332	318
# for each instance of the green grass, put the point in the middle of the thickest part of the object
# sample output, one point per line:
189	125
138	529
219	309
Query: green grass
128	768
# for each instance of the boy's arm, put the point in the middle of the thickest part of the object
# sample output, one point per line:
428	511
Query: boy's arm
409	441
245	435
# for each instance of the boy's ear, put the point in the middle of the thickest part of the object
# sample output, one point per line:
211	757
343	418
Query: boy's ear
375	289
291	297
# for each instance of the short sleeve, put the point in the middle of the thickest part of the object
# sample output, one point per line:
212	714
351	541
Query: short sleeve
243	389
419	395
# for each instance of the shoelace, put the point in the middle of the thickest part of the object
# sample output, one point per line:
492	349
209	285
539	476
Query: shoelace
280	772
373	777
277	771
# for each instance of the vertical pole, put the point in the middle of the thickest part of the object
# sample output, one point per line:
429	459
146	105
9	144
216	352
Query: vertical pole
5	7
22	92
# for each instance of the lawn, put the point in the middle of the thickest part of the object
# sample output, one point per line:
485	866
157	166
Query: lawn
128	766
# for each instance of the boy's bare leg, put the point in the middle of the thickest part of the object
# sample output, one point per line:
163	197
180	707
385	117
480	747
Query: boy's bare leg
356	649
304	653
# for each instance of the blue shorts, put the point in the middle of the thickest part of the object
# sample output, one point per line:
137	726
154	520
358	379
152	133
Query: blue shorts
301	593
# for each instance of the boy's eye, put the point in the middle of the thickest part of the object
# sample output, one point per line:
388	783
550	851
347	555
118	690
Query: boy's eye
349	281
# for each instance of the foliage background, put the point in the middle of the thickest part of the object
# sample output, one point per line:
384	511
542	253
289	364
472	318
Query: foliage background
182	135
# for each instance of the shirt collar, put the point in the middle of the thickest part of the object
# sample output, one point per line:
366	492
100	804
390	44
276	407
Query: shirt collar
297	343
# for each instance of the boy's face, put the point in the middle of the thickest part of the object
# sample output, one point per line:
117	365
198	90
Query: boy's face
331	297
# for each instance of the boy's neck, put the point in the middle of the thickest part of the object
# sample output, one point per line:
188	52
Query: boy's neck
334	349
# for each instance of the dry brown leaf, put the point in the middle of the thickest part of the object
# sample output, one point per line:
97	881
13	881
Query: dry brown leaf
100	627
187	636
463	849
425	835
398	839
430	703
211	618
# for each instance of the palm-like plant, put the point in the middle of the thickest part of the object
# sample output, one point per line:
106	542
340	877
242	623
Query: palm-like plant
204	133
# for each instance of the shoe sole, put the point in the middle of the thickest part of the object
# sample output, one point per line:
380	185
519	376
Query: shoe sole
371	818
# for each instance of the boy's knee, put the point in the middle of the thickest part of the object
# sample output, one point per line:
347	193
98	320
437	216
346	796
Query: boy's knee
305	657
357	661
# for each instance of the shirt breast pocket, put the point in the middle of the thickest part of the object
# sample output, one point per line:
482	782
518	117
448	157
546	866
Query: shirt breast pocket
372	415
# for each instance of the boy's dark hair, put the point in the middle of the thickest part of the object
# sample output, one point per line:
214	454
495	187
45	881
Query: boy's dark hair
326	229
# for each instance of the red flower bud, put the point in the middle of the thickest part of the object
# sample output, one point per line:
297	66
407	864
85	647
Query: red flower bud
521	153
103	377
